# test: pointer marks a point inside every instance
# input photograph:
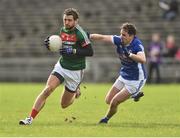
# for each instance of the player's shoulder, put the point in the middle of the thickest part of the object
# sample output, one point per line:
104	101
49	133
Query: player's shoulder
137	44
81	34
80	30
137	41
116	39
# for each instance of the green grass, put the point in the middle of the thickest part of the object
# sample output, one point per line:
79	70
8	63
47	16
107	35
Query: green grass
157	114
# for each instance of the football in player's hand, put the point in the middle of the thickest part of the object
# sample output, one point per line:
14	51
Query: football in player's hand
55	43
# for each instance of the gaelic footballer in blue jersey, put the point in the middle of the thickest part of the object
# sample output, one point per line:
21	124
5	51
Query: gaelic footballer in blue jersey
132	75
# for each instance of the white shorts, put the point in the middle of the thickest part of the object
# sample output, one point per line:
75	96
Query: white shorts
133	87
72	79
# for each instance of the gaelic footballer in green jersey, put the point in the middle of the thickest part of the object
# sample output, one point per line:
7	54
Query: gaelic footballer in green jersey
69	68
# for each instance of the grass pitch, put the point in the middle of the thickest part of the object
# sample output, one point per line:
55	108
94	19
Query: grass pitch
157	113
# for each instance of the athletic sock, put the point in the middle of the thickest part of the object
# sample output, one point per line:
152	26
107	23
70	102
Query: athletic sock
34	112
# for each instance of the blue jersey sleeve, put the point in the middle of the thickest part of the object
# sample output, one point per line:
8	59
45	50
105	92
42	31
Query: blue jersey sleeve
116	40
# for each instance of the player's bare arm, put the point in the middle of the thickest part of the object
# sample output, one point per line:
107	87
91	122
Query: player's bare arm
100	37
139	57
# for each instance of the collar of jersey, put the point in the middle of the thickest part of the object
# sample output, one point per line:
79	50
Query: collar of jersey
67	30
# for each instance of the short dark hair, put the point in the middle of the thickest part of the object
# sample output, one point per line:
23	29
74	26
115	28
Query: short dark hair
73	12
129	28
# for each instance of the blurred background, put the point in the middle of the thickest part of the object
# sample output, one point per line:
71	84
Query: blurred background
24	24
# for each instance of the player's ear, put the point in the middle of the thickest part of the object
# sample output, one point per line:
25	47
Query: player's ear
76	21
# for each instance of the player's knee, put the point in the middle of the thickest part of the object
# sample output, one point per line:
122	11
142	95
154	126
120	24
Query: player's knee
63	105
107	101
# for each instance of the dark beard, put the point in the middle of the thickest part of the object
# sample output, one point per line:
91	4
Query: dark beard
69	28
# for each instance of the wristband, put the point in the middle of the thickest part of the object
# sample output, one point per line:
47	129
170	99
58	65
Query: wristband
74	51
130	55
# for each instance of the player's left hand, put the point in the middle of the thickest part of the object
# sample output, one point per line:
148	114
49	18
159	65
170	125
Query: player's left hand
46	43
66	51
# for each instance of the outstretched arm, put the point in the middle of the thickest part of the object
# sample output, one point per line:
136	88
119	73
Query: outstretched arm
100	37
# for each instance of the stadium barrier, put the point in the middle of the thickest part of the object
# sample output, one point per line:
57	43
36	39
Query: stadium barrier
99	69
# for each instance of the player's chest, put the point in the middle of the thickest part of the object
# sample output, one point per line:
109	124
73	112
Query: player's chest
121	53
120	49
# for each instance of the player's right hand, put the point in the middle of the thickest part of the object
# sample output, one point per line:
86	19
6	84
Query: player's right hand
66	51
46	43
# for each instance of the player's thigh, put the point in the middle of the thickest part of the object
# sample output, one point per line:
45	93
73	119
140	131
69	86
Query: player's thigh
111	93
120	97
52	82
117	86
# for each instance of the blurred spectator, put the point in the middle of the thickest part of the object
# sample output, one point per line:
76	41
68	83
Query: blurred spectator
171	47
170	9
177	56
154	56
